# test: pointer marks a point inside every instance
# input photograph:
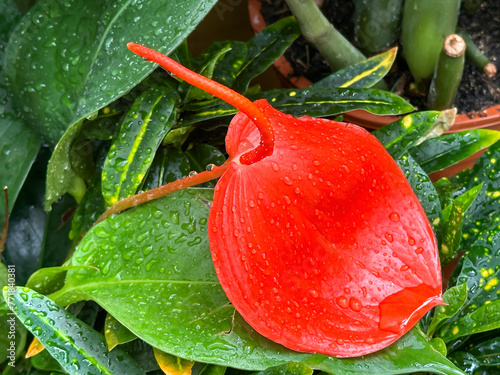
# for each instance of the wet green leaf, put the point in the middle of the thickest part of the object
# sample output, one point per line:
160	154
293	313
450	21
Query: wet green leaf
157	278
424	189
115	333
132	152
264	48
438	153
453	215
228	68
400	135
480	270
79	61
363	74
76	346
454	298
481	358
314	102
170	164
49	279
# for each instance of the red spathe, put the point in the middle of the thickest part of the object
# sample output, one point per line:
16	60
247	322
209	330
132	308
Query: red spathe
322	246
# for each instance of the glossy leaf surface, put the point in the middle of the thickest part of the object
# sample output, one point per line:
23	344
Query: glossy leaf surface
131	153
188	314
363	74
299	102
310	225
72	77
438	153
77	347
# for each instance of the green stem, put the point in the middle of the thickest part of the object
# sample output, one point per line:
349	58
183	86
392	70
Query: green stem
448	73
377	24
476	56
425	24
316	29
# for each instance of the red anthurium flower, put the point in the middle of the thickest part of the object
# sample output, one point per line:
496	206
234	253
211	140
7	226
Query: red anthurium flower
317	238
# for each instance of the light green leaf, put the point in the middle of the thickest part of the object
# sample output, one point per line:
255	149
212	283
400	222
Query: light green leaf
115	333
363	74
131	154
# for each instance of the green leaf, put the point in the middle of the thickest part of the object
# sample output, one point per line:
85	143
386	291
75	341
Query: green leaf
132	152
170	164
453	215
480	270
485	356
13	337
314	102
264	48
212	370
157	278
424	190
76	346
230	65
48	280
399	136
363	74
454	298
438	153
76	68
115	333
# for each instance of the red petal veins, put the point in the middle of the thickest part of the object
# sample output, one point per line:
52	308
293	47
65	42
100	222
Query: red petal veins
322	246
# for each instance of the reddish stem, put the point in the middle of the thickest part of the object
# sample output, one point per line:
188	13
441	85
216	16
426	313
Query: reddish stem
163	190
266	146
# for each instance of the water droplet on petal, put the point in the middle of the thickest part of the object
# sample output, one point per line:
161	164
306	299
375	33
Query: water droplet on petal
355	304
343	302
394	216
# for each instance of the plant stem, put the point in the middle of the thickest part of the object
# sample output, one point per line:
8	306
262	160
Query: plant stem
476	56
6	222
377	24
316	29
266	146
425	24
163	190
448	73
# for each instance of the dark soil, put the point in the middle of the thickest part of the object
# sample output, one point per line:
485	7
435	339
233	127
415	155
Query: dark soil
476	91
